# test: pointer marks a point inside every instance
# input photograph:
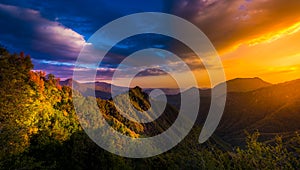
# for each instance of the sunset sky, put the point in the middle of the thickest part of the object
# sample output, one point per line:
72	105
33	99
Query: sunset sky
254	38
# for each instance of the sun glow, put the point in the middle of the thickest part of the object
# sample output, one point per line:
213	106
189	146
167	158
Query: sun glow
273	36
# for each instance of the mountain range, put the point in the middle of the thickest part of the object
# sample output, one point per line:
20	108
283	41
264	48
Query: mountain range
252	104
103	89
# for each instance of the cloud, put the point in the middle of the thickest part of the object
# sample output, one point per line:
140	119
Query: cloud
231	23
59	70
53	32
86	17
65	70
33	31
273	36
151	72
27	29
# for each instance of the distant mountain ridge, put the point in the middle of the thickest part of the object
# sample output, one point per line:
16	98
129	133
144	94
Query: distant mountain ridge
244	84
234	85
103	89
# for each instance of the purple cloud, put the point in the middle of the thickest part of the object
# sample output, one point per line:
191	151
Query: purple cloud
151	72
27	29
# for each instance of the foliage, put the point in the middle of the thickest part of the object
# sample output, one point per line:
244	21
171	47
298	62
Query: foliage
40	130
33	107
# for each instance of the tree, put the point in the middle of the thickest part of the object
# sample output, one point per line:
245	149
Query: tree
14	99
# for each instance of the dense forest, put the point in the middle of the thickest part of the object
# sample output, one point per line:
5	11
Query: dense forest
39	129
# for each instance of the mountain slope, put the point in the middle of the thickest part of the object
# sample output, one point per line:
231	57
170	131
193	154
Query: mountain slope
271	110
121	113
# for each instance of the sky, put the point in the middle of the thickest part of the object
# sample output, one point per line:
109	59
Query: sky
254	38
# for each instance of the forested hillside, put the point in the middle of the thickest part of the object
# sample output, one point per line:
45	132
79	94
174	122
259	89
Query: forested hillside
39	129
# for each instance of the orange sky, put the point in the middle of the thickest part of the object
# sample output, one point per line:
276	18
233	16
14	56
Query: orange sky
253	39
273	56
260	40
